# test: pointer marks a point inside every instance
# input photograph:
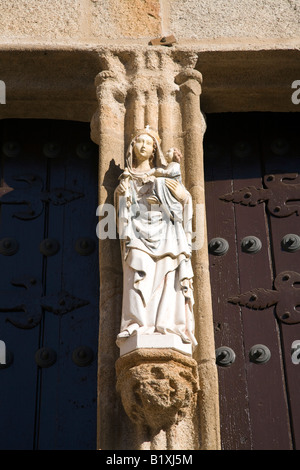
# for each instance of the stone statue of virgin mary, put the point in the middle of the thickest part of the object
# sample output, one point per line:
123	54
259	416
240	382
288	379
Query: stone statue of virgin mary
154	219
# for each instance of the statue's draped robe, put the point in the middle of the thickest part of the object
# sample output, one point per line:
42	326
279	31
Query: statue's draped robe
156	251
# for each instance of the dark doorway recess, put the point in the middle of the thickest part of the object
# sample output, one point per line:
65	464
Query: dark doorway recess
49	299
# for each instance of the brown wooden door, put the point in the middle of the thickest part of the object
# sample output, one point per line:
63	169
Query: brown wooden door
252	167
49	294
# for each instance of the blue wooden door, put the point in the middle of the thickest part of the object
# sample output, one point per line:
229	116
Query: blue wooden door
49	289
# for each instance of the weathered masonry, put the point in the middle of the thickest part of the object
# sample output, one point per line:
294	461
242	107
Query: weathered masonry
70	109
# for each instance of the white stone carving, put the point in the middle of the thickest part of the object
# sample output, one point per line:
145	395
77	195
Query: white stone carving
154	219
139	340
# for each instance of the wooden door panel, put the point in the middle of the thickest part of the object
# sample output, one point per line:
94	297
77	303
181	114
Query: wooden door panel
57	409
18	381
268	416
72	417
281	154
266	402
224	277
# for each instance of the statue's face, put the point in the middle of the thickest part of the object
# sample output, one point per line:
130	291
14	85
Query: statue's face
143	147
169	156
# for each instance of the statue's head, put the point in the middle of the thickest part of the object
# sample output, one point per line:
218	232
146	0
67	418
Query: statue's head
173	155
144	148
145	144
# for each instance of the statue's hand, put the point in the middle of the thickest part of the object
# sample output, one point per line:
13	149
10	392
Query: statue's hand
177	189
121	188
152	200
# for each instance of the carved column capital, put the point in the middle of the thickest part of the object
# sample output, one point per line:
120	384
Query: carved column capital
158	388
148	80
190	80
111	90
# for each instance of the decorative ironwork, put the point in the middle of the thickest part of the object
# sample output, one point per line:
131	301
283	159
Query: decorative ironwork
52	149
45	357
32	303
34	196
280	146
225	356
242	149
259	354
83	356
282	197
251	244
86	150
85	246
218	246
290	242
49	247
285	296
8	246
11	149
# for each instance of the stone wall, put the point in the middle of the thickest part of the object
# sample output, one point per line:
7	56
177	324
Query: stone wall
98	21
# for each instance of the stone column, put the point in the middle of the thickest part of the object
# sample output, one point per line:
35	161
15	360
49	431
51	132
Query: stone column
159	388
193	124
107	130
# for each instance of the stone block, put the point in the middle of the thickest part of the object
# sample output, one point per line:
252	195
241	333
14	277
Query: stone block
204	19
37	20
115	19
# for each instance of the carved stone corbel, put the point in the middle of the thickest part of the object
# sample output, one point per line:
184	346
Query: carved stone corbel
159	390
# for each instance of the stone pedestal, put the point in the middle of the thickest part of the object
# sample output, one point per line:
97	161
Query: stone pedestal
159	390
153	341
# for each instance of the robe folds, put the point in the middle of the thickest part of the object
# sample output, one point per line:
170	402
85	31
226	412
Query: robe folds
156	255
